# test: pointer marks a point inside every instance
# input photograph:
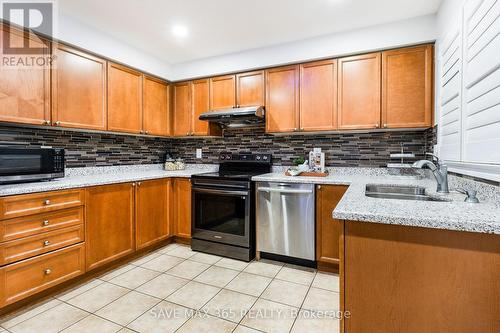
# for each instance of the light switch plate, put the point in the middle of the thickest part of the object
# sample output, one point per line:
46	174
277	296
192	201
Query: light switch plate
199	153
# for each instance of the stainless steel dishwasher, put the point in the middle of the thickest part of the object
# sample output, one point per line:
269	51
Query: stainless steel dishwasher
285	220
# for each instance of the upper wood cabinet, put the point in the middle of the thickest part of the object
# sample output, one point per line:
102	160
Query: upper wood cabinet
124	99
156	116
109	215
190	100
222	92
407	87
152	207
200	92
182	207
359	92
328	229
318	96
24	91
282	99
78	90
182	112
250	89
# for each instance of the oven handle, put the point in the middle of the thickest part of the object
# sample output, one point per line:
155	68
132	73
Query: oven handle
222	192
284	191
220	185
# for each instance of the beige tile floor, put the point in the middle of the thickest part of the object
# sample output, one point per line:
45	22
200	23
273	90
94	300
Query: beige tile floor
175	289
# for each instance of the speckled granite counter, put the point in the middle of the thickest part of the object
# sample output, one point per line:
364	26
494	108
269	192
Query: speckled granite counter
454	214
84	177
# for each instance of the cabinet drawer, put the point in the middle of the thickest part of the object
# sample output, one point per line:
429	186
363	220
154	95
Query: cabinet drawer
25	278
28	247
36	224
28	204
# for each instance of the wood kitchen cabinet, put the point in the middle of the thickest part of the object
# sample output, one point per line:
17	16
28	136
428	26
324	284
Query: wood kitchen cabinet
109	214
359	92
407	87
156	115
79	90
222	92
328	229
190	100
318	96
250	89
282	99
182	207
124	99
152	209
24	91
182	109
416	280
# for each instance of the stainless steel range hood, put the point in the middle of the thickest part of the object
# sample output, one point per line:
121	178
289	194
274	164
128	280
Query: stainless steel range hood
249	116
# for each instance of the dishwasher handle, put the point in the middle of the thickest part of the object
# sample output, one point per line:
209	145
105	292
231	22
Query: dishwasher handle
284	191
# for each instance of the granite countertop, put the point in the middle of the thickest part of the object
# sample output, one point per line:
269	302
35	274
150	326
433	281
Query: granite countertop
84	177
454	214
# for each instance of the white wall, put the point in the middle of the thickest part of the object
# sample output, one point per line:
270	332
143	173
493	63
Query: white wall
76	33
407	32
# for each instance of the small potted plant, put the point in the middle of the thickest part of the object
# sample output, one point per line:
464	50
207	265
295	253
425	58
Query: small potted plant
300	165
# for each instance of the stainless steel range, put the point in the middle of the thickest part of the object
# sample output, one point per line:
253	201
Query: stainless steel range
223	206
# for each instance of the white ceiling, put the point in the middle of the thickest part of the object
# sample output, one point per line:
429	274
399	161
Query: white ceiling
218	27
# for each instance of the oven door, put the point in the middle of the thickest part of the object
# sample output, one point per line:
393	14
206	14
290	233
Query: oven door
221	215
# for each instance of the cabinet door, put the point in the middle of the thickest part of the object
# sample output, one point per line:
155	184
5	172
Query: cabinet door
182	207
156	118
182	109
24	90
222	92
328	229
282	99
152	212
250	89
79	90
359	91
318	96
407	87
109	215
124	99
201	103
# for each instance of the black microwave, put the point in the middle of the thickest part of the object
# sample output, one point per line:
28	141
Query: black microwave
20	165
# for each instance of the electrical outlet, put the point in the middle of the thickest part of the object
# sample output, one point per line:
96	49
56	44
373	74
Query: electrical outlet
199	153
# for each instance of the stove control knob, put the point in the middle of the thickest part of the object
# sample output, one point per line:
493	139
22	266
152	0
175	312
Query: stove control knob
258	157
265	158
222	157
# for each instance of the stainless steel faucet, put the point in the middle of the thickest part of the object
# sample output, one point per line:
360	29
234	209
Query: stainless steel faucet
439	170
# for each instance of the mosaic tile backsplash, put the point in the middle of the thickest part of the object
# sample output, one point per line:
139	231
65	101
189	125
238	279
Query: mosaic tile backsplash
342	149
90	149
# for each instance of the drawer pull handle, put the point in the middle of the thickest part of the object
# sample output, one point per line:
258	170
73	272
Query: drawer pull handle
45	223
48	271
47	202
46	243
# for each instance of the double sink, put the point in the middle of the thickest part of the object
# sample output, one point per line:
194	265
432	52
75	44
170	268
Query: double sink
414	193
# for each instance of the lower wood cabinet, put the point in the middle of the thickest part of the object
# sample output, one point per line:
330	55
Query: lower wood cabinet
153	210
109	215
28	277
182	207
328	229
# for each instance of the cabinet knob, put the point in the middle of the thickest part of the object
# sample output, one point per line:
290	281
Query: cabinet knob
45	223
385	125
48	271
139	184
237	105
319	187
377	125
46	243
146	132
57	123
133	184
47	122
46	202
295	129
